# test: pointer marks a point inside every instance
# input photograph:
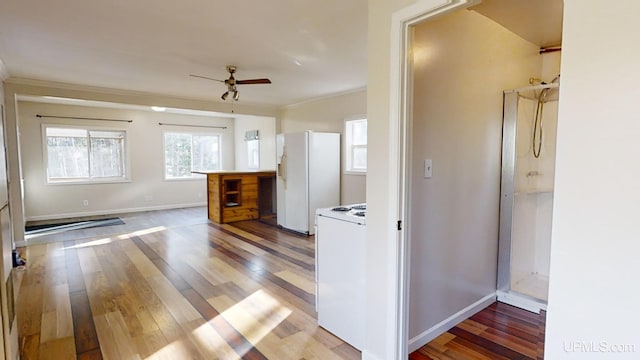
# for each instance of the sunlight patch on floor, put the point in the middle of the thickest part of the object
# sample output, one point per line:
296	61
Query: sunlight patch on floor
90	243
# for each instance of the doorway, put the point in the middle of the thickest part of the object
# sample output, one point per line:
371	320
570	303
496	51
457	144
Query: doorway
450	135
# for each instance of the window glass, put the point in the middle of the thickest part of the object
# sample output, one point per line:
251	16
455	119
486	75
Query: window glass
185	152
356	145
76	154
253	154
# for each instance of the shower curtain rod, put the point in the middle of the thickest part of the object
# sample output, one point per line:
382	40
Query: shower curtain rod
549	49
80	118
199	126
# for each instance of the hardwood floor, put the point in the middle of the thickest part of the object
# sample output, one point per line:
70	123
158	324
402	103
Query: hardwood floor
192	290
499	331
172	285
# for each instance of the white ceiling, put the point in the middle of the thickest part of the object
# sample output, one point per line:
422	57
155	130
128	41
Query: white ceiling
538	21
307	48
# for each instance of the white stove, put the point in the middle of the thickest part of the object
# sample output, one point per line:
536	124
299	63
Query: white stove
355	213
340	271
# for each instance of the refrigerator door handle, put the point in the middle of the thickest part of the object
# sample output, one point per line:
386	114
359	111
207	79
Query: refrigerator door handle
282	167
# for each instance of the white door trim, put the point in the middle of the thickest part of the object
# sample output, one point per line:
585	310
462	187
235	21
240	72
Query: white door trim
401	93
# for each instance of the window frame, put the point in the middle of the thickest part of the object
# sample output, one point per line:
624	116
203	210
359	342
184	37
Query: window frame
125	159
191	133
349	147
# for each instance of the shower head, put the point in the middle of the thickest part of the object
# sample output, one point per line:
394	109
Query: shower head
551	93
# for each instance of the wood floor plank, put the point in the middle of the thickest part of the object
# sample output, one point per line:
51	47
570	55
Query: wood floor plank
57	321
30	347
114	337
178	306
299	281
58	349
149	343
83	326
472	327
210	344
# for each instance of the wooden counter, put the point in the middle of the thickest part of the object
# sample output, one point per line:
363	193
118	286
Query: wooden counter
240	195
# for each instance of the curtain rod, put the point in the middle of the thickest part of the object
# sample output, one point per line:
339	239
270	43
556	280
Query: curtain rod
200	126
80	118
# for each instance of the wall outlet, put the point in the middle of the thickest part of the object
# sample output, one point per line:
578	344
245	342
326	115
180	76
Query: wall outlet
85	202
148	197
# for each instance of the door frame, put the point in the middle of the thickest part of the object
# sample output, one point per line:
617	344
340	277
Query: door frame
400	120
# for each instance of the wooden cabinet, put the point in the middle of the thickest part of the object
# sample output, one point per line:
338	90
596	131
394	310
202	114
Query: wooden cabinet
236	196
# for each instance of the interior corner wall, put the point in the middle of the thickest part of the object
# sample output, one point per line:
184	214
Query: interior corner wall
147	189
266	127
593	292
327	115
462	64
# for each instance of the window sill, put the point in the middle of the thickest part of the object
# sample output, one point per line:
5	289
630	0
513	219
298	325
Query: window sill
87	182
360	173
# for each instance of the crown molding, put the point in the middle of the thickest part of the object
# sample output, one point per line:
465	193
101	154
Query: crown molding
327	96
35	87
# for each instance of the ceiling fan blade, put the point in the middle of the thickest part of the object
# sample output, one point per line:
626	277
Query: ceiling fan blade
204	77
253	81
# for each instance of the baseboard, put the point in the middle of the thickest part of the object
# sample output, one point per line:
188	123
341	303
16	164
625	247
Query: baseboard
442	327
112	211
522	301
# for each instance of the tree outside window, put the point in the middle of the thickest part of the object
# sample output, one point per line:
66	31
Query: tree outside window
186	152
80	154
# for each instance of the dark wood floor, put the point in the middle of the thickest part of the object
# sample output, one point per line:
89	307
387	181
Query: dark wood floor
498	332
172	285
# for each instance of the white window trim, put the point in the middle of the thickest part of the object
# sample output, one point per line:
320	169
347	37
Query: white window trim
112	180
347	151
198	177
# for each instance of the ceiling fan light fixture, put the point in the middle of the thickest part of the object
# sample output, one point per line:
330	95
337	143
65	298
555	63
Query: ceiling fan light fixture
231	83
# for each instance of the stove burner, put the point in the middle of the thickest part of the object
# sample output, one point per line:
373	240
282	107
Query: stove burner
340	208
360	213
359	207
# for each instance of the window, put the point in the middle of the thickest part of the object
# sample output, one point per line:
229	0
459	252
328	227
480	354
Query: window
253	154
356	145
185	152
80	155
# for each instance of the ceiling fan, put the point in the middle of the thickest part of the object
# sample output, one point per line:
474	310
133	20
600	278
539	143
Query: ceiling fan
231	82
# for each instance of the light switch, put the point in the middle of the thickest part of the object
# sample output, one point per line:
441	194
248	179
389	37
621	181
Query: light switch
428	169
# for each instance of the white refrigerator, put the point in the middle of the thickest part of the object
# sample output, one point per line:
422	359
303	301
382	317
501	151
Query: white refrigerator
308	169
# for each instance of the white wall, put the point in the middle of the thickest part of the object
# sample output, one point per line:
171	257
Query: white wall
327	115
146	162
266	127
594	296
463	61
381	334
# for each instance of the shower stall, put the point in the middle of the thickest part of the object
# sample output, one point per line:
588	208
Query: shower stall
526	203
